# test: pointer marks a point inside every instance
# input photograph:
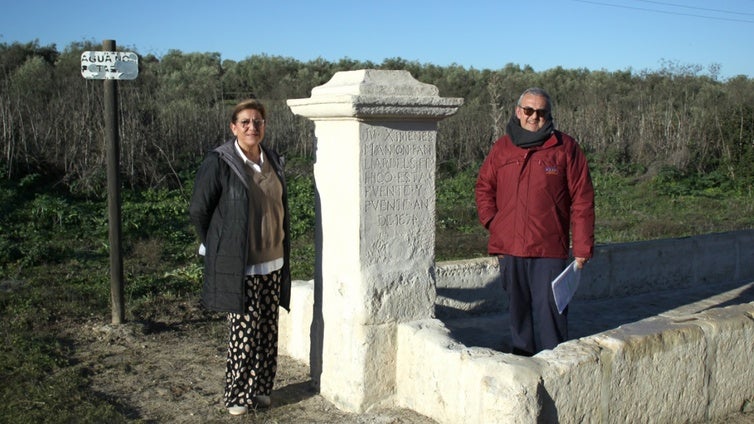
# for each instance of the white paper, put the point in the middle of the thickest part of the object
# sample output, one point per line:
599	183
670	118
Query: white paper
564	286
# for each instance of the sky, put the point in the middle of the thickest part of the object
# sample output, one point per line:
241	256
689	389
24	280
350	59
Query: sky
609	35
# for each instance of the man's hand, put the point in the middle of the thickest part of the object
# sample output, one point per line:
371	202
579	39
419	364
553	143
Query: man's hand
580	262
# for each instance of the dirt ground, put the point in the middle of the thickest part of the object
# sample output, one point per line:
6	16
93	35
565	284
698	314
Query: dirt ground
166	365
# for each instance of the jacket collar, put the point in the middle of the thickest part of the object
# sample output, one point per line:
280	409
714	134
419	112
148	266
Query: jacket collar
227	152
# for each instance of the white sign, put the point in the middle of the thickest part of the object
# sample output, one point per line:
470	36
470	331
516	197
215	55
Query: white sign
109	65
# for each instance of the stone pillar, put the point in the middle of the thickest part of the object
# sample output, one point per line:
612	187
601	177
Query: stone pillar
375	180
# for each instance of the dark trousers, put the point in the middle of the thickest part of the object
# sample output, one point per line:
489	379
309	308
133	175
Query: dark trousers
531	303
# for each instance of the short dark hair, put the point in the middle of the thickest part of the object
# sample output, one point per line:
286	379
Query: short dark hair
248	104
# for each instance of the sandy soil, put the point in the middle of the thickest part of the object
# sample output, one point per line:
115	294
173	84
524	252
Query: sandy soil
167	363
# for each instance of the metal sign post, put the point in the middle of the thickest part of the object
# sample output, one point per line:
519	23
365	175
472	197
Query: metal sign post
111	66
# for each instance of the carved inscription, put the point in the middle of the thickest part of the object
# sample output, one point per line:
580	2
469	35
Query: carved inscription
397	171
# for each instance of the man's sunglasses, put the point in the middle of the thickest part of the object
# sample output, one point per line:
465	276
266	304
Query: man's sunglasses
541	113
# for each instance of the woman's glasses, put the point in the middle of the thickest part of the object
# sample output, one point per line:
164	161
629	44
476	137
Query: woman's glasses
246	123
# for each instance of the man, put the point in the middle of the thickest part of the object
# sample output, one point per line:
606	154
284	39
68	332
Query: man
533	194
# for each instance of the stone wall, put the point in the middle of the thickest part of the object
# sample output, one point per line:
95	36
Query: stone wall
621	269
690	364
659	370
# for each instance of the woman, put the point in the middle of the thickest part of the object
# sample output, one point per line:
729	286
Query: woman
240	210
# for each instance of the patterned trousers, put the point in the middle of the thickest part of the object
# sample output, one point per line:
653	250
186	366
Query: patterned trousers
253	342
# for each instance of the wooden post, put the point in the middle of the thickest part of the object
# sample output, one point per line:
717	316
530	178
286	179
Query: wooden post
113	193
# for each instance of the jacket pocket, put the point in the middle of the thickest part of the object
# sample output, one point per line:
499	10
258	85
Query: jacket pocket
228	265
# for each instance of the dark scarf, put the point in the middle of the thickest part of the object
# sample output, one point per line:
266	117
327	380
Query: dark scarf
524	138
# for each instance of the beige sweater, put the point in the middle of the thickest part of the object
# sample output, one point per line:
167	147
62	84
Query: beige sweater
265	215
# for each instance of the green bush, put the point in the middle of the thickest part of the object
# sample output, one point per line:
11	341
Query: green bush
301	205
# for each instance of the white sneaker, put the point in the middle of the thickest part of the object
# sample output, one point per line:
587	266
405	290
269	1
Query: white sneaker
263	401
238	410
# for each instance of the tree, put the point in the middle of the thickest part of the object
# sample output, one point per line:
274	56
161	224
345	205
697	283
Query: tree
178	108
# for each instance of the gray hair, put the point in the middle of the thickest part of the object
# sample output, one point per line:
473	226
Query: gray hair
536	91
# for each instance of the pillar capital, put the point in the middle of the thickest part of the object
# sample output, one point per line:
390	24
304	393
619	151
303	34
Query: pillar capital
375	94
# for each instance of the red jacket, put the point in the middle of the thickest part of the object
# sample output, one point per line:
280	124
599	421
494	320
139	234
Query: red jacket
530	199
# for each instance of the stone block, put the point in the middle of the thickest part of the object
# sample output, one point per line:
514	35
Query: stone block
596	280
295	326
645	267
653	371
572	382
451	383
745	251
469	287
729	357
500	387
358	365
424	351
715	258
